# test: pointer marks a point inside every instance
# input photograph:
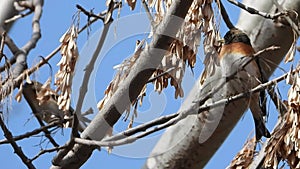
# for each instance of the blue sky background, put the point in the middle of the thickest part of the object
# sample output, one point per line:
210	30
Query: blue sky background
56	19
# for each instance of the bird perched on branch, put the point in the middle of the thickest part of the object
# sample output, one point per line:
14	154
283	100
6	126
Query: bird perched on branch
239	67
236	73
48	110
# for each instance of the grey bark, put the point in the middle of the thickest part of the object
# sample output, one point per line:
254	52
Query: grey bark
7	11
148	61
179	146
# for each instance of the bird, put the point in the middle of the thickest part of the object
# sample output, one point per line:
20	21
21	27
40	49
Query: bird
48	110
238	65
237	72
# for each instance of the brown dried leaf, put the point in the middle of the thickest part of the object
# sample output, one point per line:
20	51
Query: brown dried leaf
63	78
131	3
18	96
291	53
284	143
244	158
123	71
45	93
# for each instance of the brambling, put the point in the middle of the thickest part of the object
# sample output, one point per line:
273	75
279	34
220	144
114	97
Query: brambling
48	111
236	72
236	58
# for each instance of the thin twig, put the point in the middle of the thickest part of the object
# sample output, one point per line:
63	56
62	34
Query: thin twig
255	11
84	86
10	43
145	5
280	106
16	17
89	69
89	14
254	57
7	87
287	18
121	139
47	151
246	94
15	146
31	133
225	16
129	139
160	75
142	127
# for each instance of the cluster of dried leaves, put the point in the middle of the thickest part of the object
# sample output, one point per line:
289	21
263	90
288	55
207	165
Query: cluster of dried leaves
63	78
123	71
285	141
200	19
182	51
244	158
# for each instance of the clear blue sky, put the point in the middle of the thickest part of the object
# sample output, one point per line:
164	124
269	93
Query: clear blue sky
56	18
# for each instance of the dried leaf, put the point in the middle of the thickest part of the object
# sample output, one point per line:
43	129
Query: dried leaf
18	96
244	158
291	53
284	143
131	3
64	77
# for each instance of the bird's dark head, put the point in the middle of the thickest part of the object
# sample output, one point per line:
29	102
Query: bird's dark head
236	35
32	88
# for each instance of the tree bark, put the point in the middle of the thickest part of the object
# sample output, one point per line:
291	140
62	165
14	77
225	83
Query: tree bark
148	61
179	146
7	11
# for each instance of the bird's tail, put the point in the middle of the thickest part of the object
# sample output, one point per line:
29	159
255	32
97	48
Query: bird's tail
261	129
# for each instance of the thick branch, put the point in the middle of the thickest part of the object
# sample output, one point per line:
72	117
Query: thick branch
128	136
179	147
149	60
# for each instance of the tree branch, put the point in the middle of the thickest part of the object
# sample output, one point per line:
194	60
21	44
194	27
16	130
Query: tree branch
179	146
128	137
148	61
255	11
47	151
16	148
31	133
8	86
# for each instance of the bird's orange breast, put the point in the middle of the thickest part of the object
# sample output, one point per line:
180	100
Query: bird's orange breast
241	49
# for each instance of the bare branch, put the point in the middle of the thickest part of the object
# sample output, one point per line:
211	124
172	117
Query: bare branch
89	69
18	16
254	11
246	62
8	86
47	151
32	133
89	14
145	5
225	15
254	90
279	104
10	44
127	137
36	30
287	18
137	78
16	148
152	79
